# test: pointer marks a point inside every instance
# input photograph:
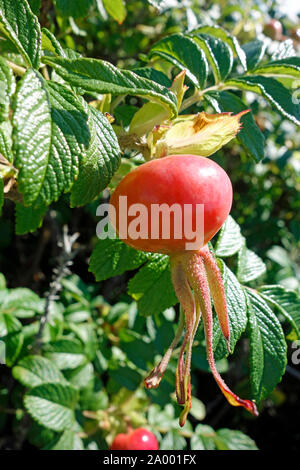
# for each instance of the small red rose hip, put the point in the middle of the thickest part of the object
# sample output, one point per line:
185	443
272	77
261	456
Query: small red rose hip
142	439
273	30
120	442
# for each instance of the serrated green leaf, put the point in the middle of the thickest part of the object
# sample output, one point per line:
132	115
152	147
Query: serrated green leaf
69	440
267	347
218	53
152	287
28	219
250	136
229	240
50	135
102	77
273	91
250	266
77	9
286	301
11	335
116	9
236	306
32	371
65	353
288	67
52	405
228	439
232	41
154	75
172	441
6	140
81	376
16	20
185	54
254	51
51	44
100	163
112	257
7	88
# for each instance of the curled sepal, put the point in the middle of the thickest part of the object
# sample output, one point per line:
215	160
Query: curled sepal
217	291
201	134
198	280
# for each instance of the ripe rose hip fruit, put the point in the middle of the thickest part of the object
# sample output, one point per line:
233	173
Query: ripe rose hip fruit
120	442
142	439
273	29
183	180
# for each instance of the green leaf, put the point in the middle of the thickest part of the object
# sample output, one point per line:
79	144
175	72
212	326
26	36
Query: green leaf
99	76
285	49
81	376
230	239
112	257
11	335
51	44
227	439
77	9
52	405
267	347
21	302
250	136
32	371
250	266
218	53
254	51
154	75
6	140
185	54
288	67
286	301
100	163
7	89
116	9
236	306
65	353
203	438
232	41
152	287
273	91
49	136
69	440
172	440
21	26
28	219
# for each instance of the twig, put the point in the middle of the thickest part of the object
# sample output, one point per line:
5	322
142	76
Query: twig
65	260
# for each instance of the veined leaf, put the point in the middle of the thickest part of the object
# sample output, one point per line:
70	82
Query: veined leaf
21	26
102	77
69	440
28	219
22	303
218	53
267	347
66	353
250	136
32	371
236	305
250	266
185	54
7	88
286	301
229	240
116	9
100	162
285	49
273	91
154	75
227	439
152	287
49	137
232	41
52	405
288	67
254	51
51	44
